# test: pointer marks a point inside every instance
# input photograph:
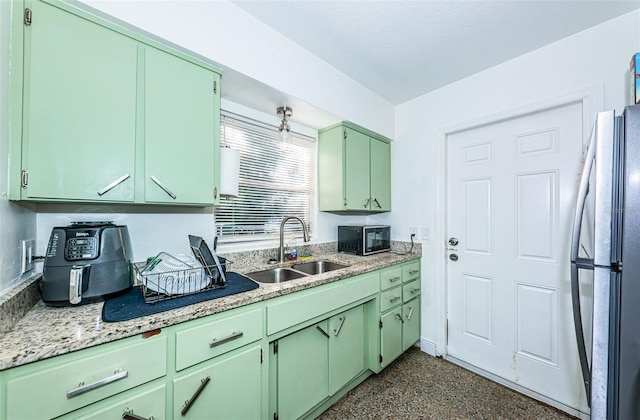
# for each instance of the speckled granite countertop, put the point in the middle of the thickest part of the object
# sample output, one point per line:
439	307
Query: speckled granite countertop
46	332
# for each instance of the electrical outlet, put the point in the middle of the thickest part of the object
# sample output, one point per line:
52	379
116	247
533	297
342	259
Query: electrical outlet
426	233
27	249
413	231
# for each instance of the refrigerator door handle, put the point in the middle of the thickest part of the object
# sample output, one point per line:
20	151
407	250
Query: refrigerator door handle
575	262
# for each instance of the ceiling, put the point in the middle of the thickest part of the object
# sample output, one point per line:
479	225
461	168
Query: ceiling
404	49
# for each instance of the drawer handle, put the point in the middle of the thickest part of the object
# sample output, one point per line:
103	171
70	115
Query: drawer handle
414	291
410	313
395	299
412	272
322	331
400	318
337	330
187	404
232	336
102	382
394	279
163	187
113	184
128	415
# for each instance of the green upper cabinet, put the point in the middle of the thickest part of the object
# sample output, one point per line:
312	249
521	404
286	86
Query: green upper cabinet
79	109
180	132
109	114
354	170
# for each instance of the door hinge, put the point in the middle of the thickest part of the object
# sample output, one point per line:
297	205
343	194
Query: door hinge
25	179
215	86
215	193
345	201
275	347
380	358
27	17
261	356
344	134
446	333
380	324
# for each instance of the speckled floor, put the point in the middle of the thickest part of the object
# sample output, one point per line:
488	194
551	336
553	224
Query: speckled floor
421	386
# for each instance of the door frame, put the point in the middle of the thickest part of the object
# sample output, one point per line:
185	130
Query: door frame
592	101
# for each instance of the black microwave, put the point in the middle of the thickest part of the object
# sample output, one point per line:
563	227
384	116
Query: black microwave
364	240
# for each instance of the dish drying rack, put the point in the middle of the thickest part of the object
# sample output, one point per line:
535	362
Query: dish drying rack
167	277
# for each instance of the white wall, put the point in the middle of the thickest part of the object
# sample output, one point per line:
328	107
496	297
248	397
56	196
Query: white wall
596	58
16	222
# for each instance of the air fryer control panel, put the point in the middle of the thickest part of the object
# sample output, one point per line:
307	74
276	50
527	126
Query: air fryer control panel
79	243
81	248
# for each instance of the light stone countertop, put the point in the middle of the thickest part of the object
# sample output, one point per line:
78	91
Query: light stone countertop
47	331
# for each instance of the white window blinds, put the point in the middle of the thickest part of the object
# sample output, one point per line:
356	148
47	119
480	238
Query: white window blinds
276	180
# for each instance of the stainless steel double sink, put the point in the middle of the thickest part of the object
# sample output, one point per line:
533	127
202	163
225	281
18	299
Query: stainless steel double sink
296	271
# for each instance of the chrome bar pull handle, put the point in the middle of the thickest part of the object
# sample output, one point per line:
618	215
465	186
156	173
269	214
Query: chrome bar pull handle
414	291
410	314
400	318
395	299
113	184
187	404
163	187
412	272
337	330
366	204
128	415
98	384
322	331
394	279
375	200
234	335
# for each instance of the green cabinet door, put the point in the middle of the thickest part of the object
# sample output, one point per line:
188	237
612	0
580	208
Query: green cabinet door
79	108
346	347
391	336
229	389
303	365
181	130
380	175
411	326
357	193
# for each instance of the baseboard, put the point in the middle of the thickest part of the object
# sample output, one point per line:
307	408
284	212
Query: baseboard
560	406
427	346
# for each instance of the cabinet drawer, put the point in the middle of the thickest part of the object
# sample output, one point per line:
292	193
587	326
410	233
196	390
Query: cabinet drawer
146	404
390	278
390	299
410	290
411	271
197	344
293	310
82	380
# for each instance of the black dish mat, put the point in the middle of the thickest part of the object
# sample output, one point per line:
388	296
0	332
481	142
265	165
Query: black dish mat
131	305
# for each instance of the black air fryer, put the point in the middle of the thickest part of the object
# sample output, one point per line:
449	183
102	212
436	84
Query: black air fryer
86	262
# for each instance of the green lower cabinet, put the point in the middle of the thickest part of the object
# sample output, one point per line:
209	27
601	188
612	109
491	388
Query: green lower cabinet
411	325
346	347
390	336
303	363
230	387
143	404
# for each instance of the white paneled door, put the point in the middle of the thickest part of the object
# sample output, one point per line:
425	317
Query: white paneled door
511	188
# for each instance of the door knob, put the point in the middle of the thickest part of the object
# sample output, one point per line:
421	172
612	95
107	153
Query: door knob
453	241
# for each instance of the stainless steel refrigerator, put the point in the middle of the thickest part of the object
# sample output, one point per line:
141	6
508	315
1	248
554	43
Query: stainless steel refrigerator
608	212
